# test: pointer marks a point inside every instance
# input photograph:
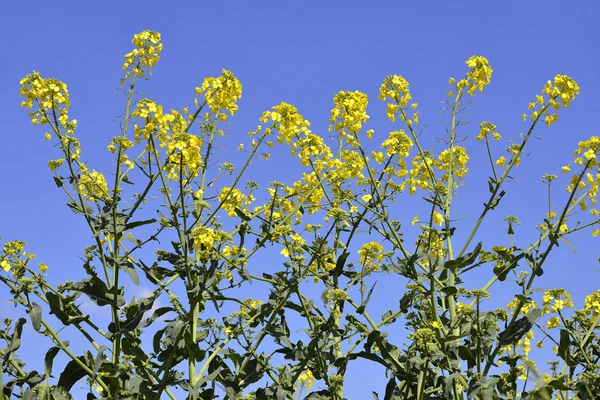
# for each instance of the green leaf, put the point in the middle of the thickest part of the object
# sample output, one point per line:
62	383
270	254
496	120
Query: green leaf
49	360
58	181
241	214
464	261
71	374
135	224
36	316
133	317
391	390
564	344
98	292
339	265
15	341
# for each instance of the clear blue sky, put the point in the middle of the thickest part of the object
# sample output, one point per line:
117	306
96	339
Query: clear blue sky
302	52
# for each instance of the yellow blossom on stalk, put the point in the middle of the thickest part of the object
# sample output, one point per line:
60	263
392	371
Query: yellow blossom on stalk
5	265
438	218
312	148
395	88
592	303
486	129
156	123
49	97
460	158
221	94
555	300
415	219
430	241
554	95
54	164
204	237
501	162
184	156
287	121
119	142
232	199
93	185
305	380
145	55
349	113
371	253
419	175
479	75
397	143
43	267
553	323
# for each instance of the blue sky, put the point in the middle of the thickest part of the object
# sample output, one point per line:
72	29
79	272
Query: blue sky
303	53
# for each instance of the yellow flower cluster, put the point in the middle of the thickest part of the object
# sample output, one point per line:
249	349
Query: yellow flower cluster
430	241
371	254
555	300
586	151
234	198
157	123
221	94
554	95
204	238
184	156
349	114
486	129
235	255
312	148
93	185
397	142
287	121
48	94
119	142
525	309
305	380
396	88
55	164
479	75
14	258
419	175
592	304
460	159
145	54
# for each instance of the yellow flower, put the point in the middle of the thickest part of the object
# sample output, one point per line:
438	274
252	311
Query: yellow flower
553	323
48	136
415	219
438	218
366	198
145	54
501	162
370	253
5	265
43	267
93	185
221	93
479	75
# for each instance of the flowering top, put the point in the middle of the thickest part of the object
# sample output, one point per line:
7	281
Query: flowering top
554	95
479	75
349	113
287	121
221	94
145	55
46	94
486	129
